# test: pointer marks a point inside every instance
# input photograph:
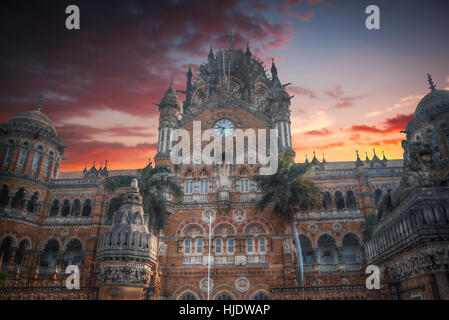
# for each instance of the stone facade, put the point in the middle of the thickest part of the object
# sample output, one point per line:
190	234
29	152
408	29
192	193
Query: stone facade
50	219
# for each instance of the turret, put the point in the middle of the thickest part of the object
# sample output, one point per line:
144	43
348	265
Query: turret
169	111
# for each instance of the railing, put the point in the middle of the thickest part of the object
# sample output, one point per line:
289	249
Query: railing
250	196
328	213
308	267
68	219
256	259
16	212
192	260
223	259
196	197
350	266
327	267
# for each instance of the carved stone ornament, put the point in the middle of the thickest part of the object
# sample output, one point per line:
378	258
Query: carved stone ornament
203	284
242	284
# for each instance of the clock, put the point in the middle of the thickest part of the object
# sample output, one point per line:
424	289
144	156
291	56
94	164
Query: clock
224	127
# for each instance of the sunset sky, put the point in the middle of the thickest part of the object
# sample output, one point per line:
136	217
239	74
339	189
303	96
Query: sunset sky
354	88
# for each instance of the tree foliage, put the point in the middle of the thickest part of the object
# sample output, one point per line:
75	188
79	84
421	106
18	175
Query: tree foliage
371	221
289	190
153	183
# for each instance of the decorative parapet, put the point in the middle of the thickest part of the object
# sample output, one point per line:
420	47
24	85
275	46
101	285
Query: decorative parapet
124	273
424	214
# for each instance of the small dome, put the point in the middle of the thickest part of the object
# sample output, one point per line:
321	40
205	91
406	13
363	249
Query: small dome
433	105
36	118
433	99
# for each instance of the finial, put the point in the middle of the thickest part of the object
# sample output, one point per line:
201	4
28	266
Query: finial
105	165
307	159
374	152
101	165
39	103
94	164
384	157
231	40
366	154
431	83
324	160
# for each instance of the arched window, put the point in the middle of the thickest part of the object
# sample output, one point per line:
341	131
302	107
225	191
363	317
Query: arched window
351	249
5	252
87	208
339	201
22	158
54	210
73	254
224	296
199	246
230	245
350	199
37	157
249	245
260	296
187	296
65	210
49	257
19	199
7	158
76	208
24	245
327	201
377	195
262	246
306	249
34	203
218	245
187	246
327	250
4	196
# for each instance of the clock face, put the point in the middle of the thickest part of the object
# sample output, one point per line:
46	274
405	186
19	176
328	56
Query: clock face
224	127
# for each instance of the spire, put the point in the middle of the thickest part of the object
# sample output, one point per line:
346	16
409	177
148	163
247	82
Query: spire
366	154
210	57
375	157
248	53
101	166
384	158
358	162
231	40
85	167
39	103
106	166
170	97
314	160
431	83
274	70
324	160
307	160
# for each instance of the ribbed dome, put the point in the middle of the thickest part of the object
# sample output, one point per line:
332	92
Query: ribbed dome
36	118
432	106
434	98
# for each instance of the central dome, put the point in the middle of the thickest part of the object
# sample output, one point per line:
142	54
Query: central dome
34	118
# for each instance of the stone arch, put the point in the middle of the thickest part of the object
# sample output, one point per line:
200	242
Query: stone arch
255	227
339	200
65	208
188	295
351	248
193	230
4	195
19	198
224	228
351	200
243	170
73	252
223	291
24	244
306	249
188	173
327	200
327	249
377	196
224	220
87	208
54	208
5	251
263	221
260	295
76	208
50	253
34	204
186	288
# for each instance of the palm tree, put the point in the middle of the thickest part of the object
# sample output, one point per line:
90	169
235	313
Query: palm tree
153	185
287	190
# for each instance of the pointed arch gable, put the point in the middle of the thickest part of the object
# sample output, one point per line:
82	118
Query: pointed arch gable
188	221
